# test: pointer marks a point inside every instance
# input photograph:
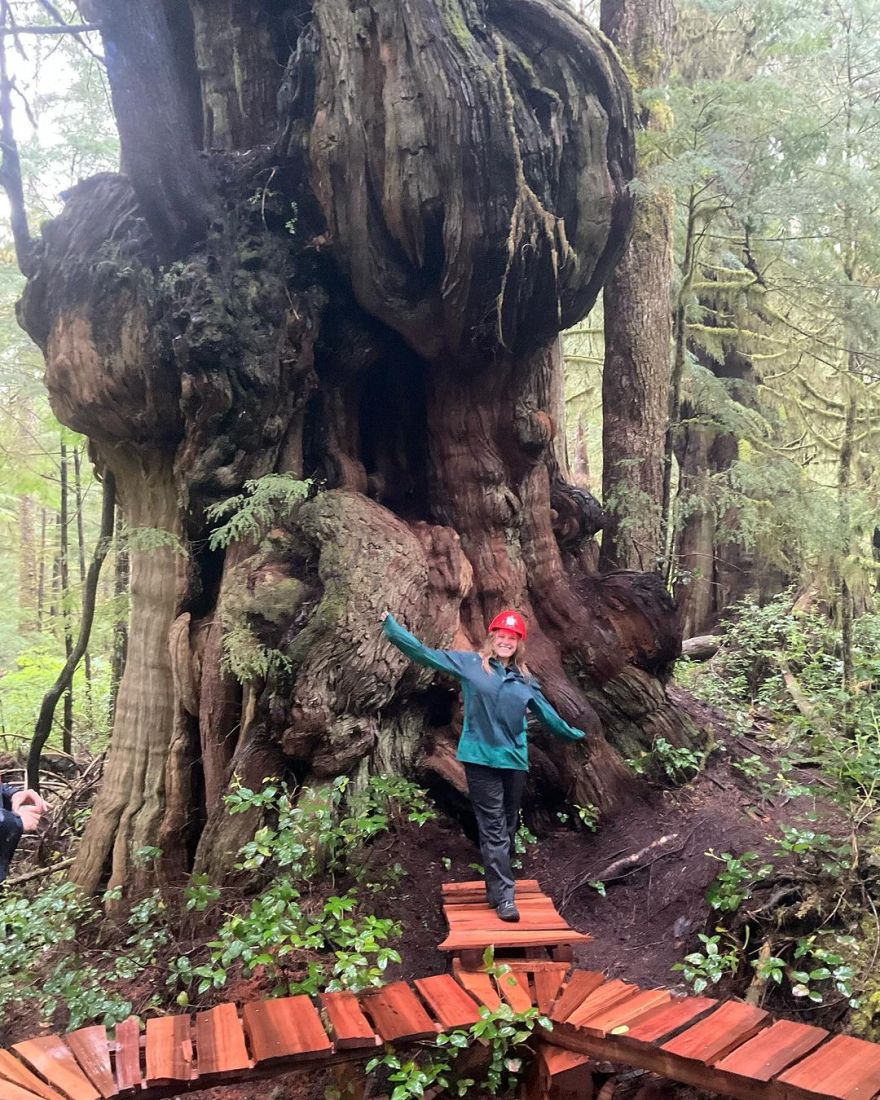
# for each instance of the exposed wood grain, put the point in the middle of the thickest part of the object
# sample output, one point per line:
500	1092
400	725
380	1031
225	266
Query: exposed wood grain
91	1049
620	1013
51	1058
844	1068
448	1001
12	1071
128	1054
773	1050
169	1049
289	1027
398	1014
606	996
579	986
350	1027
478	984
715	1036
514	988
220	1045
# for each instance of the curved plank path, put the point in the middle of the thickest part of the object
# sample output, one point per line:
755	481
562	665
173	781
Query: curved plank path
726	1047
722	1046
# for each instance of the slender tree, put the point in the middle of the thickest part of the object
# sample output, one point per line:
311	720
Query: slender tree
64	593
81	558
43	726
638	315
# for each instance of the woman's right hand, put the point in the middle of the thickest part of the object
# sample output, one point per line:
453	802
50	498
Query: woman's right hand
30	818
383	616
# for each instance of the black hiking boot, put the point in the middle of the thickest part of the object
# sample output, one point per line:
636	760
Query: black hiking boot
508	911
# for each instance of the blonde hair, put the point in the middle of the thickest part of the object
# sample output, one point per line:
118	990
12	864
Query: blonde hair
487	650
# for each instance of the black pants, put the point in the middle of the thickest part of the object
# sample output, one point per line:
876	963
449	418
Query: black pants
496	794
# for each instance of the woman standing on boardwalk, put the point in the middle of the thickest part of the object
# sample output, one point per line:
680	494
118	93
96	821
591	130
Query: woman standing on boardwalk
498	692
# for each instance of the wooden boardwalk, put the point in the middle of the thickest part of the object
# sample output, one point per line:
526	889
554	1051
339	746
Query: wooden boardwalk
725	1047
722	1046
473	926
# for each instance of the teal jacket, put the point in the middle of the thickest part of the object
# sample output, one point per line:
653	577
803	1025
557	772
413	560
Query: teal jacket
495	704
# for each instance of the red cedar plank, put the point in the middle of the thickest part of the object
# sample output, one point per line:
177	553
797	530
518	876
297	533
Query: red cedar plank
448	1001
128	1054
49	1056
92	1051
662	1022
538	964
285	1028
548	981
13	1072
611	993
350	1026
618	1015
478	984
773	1050
169	1049
14	1092
491	923
514	988
845	1068
463	941
559	1061
398	1014
525	905
450	889
478	902
580	985
220	1045
718	1034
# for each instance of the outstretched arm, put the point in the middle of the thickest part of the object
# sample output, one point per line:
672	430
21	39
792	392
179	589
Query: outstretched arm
442	660
542	710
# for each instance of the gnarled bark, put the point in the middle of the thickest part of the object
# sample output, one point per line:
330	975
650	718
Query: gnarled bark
396	232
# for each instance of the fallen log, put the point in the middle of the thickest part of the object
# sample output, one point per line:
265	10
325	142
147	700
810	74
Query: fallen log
701	648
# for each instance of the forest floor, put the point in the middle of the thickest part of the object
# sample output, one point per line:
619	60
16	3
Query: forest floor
648	918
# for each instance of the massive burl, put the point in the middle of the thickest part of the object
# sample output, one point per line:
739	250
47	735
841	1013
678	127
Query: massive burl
343	246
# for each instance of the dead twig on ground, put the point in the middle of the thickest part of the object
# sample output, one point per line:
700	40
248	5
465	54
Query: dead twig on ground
630	864
39	873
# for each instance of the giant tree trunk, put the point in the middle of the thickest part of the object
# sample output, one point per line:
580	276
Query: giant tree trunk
638	320
361	280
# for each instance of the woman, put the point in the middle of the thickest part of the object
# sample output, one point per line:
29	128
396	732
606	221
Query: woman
498	690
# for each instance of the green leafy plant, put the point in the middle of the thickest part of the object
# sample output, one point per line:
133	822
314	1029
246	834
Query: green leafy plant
817	851
733	885
677	763
265	501
305	839
41	967
588	816
411	1077
721	954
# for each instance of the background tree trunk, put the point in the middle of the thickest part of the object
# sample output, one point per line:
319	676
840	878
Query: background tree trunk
638	320
81	558
369	277
64	595
120	595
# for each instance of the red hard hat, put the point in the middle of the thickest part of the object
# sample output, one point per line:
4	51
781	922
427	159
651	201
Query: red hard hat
509	620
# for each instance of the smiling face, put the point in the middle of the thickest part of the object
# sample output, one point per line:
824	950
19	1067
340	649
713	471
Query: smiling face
506	643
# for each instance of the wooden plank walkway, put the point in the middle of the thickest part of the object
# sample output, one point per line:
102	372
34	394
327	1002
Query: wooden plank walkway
473	926
724	1047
